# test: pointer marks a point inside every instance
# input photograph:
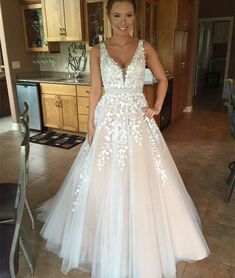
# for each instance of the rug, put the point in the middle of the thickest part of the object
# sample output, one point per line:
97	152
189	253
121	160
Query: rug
56	139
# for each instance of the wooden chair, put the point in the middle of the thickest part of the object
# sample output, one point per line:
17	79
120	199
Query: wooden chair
12	203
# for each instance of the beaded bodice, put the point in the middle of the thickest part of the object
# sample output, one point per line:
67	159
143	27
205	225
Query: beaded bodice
113	76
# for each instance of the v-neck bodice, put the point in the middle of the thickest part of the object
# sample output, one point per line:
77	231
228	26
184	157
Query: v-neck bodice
113	76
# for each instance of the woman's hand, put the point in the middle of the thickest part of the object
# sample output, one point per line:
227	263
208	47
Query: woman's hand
151	112
90	134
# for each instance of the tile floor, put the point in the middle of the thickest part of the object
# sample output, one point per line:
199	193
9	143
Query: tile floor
202	148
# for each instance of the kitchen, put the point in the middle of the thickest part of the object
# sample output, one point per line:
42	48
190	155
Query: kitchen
31	64
54	61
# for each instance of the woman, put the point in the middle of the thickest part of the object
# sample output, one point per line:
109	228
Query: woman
123	210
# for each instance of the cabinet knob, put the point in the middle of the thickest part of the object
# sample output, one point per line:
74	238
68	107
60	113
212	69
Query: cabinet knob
87	92
57	103
63	31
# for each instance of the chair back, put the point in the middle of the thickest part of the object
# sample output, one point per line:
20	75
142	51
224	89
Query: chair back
229	91
24	120
229	96
23	180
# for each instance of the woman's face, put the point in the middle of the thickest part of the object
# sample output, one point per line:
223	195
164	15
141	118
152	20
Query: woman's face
122	18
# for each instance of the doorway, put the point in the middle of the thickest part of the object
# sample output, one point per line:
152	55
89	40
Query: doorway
213	57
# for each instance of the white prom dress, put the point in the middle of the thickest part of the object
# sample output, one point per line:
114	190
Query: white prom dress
123	210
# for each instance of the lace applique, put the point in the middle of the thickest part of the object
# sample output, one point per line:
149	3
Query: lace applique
83	178
154	138
119	124
113	76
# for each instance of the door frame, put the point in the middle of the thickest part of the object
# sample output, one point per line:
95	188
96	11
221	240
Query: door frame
230	19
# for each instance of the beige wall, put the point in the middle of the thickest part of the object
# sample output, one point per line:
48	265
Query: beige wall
221	8
13	48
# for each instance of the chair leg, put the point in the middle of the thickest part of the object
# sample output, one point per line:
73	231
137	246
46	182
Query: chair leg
27	251
30	213
231	182
230	189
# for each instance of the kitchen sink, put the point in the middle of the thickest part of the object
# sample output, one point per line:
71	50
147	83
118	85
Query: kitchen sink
69	80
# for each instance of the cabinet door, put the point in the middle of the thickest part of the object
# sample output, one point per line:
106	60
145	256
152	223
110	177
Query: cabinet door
69	120
96	25
83	105
53	11
83	119
72	20
51	110
146	23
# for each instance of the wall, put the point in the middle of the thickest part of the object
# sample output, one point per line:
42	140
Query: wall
232	57
58	61
13	48
218	8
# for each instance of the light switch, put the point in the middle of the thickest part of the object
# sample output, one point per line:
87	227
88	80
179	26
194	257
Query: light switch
16	64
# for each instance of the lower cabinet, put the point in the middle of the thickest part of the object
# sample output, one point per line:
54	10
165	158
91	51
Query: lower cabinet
83	93
59	106
66	107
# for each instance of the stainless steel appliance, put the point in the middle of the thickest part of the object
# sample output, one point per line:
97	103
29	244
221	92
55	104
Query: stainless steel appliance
29	92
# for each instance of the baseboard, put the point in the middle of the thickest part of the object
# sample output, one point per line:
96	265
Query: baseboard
15	126
188	109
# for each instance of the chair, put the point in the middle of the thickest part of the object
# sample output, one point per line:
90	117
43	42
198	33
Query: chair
229	96
25	134
12	203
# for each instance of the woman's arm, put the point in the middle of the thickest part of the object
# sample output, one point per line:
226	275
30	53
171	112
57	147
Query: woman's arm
156	68
95	90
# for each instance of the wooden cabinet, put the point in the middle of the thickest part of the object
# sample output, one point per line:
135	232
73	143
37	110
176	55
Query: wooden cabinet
63	20
66	107
83	93
97	26
146	23
33	24
59	106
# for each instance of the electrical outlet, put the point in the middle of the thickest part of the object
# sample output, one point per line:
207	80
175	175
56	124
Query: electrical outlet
16	64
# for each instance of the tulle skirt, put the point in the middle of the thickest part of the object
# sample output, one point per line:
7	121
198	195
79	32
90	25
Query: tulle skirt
123	210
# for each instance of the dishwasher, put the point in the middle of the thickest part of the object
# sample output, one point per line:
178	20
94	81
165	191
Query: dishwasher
29	92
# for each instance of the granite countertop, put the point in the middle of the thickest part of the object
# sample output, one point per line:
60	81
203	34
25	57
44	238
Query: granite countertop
56	80
61	78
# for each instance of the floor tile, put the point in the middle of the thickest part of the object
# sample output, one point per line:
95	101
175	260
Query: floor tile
208	269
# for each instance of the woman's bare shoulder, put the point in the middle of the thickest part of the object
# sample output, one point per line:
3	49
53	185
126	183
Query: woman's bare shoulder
147	46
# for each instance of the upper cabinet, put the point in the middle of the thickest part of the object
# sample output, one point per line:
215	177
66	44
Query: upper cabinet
96	25
146	23
63	20
34	30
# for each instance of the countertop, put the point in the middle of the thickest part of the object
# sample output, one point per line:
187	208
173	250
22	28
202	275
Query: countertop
62	78
56	80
